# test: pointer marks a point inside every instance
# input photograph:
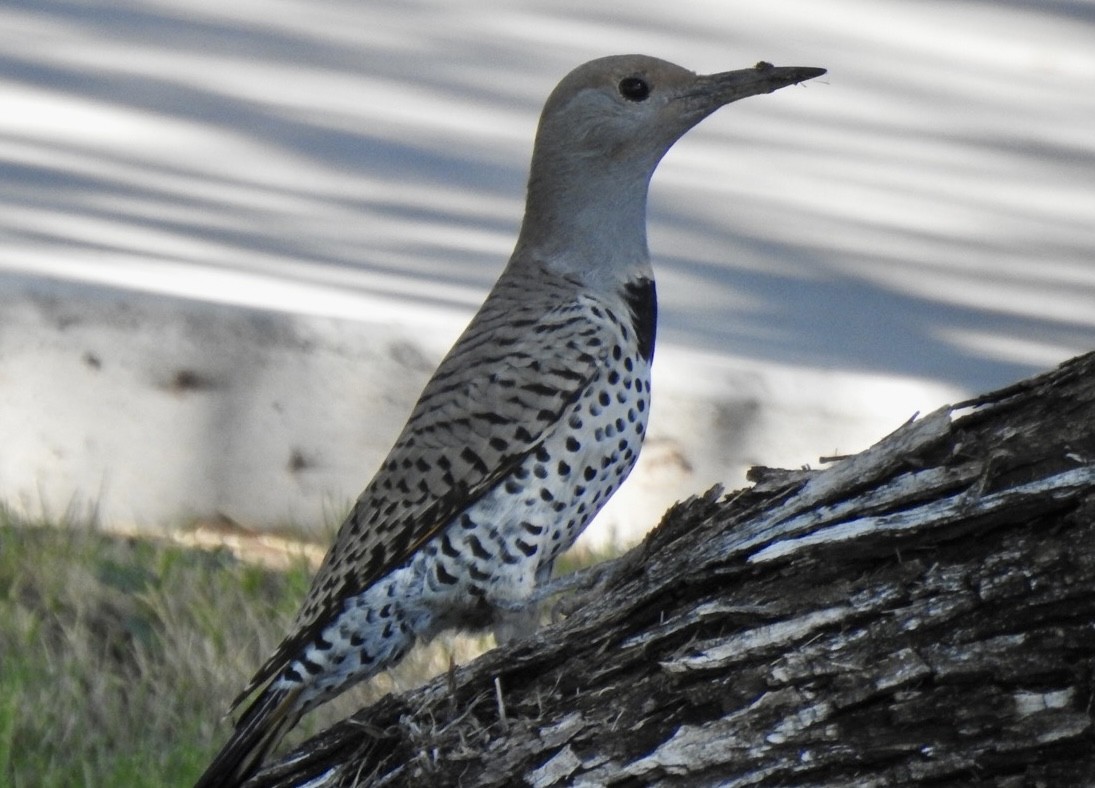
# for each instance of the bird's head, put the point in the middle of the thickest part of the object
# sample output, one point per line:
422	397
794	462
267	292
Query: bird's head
628	110
603	130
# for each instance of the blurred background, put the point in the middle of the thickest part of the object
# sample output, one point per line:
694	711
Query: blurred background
236	238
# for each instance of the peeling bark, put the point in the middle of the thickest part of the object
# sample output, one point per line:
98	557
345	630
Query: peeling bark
921	612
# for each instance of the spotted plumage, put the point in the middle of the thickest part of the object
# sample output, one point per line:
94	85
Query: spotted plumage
526	428
530	423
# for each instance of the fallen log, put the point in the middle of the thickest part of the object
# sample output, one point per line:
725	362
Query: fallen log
921	612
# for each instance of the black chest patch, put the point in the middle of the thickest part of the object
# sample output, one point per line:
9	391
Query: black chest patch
642	300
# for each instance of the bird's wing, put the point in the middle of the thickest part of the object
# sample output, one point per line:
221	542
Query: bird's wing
490	404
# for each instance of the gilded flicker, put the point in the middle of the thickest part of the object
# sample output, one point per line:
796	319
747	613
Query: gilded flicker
530	423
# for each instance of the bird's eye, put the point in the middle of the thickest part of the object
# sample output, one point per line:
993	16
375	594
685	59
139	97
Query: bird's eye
634	88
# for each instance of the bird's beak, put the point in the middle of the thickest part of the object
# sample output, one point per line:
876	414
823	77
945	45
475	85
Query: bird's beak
712	91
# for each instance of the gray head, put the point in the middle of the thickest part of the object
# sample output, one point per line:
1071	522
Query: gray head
603	130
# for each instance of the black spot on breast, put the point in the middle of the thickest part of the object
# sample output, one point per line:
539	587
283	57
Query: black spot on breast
508	557
312	667
642	301
447	547
443	575
477	548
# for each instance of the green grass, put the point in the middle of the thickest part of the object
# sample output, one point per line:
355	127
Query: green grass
118	656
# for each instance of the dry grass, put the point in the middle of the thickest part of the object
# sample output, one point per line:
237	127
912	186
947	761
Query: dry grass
120	654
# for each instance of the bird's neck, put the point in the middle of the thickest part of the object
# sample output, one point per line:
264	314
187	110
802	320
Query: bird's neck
587	222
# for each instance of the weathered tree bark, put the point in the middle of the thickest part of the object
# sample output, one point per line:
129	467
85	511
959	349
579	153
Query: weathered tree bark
921	612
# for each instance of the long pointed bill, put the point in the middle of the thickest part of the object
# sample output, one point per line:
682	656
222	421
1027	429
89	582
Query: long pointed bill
716	90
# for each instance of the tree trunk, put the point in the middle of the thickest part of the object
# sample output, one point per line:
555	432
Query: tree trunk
921	612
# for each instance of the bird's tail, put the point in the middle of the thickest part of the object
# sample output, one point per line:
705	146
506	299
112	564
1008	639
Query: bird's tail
258	731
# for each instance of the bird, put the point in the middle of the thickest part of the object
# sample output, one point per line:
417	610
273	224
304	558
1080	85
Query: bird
529	424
